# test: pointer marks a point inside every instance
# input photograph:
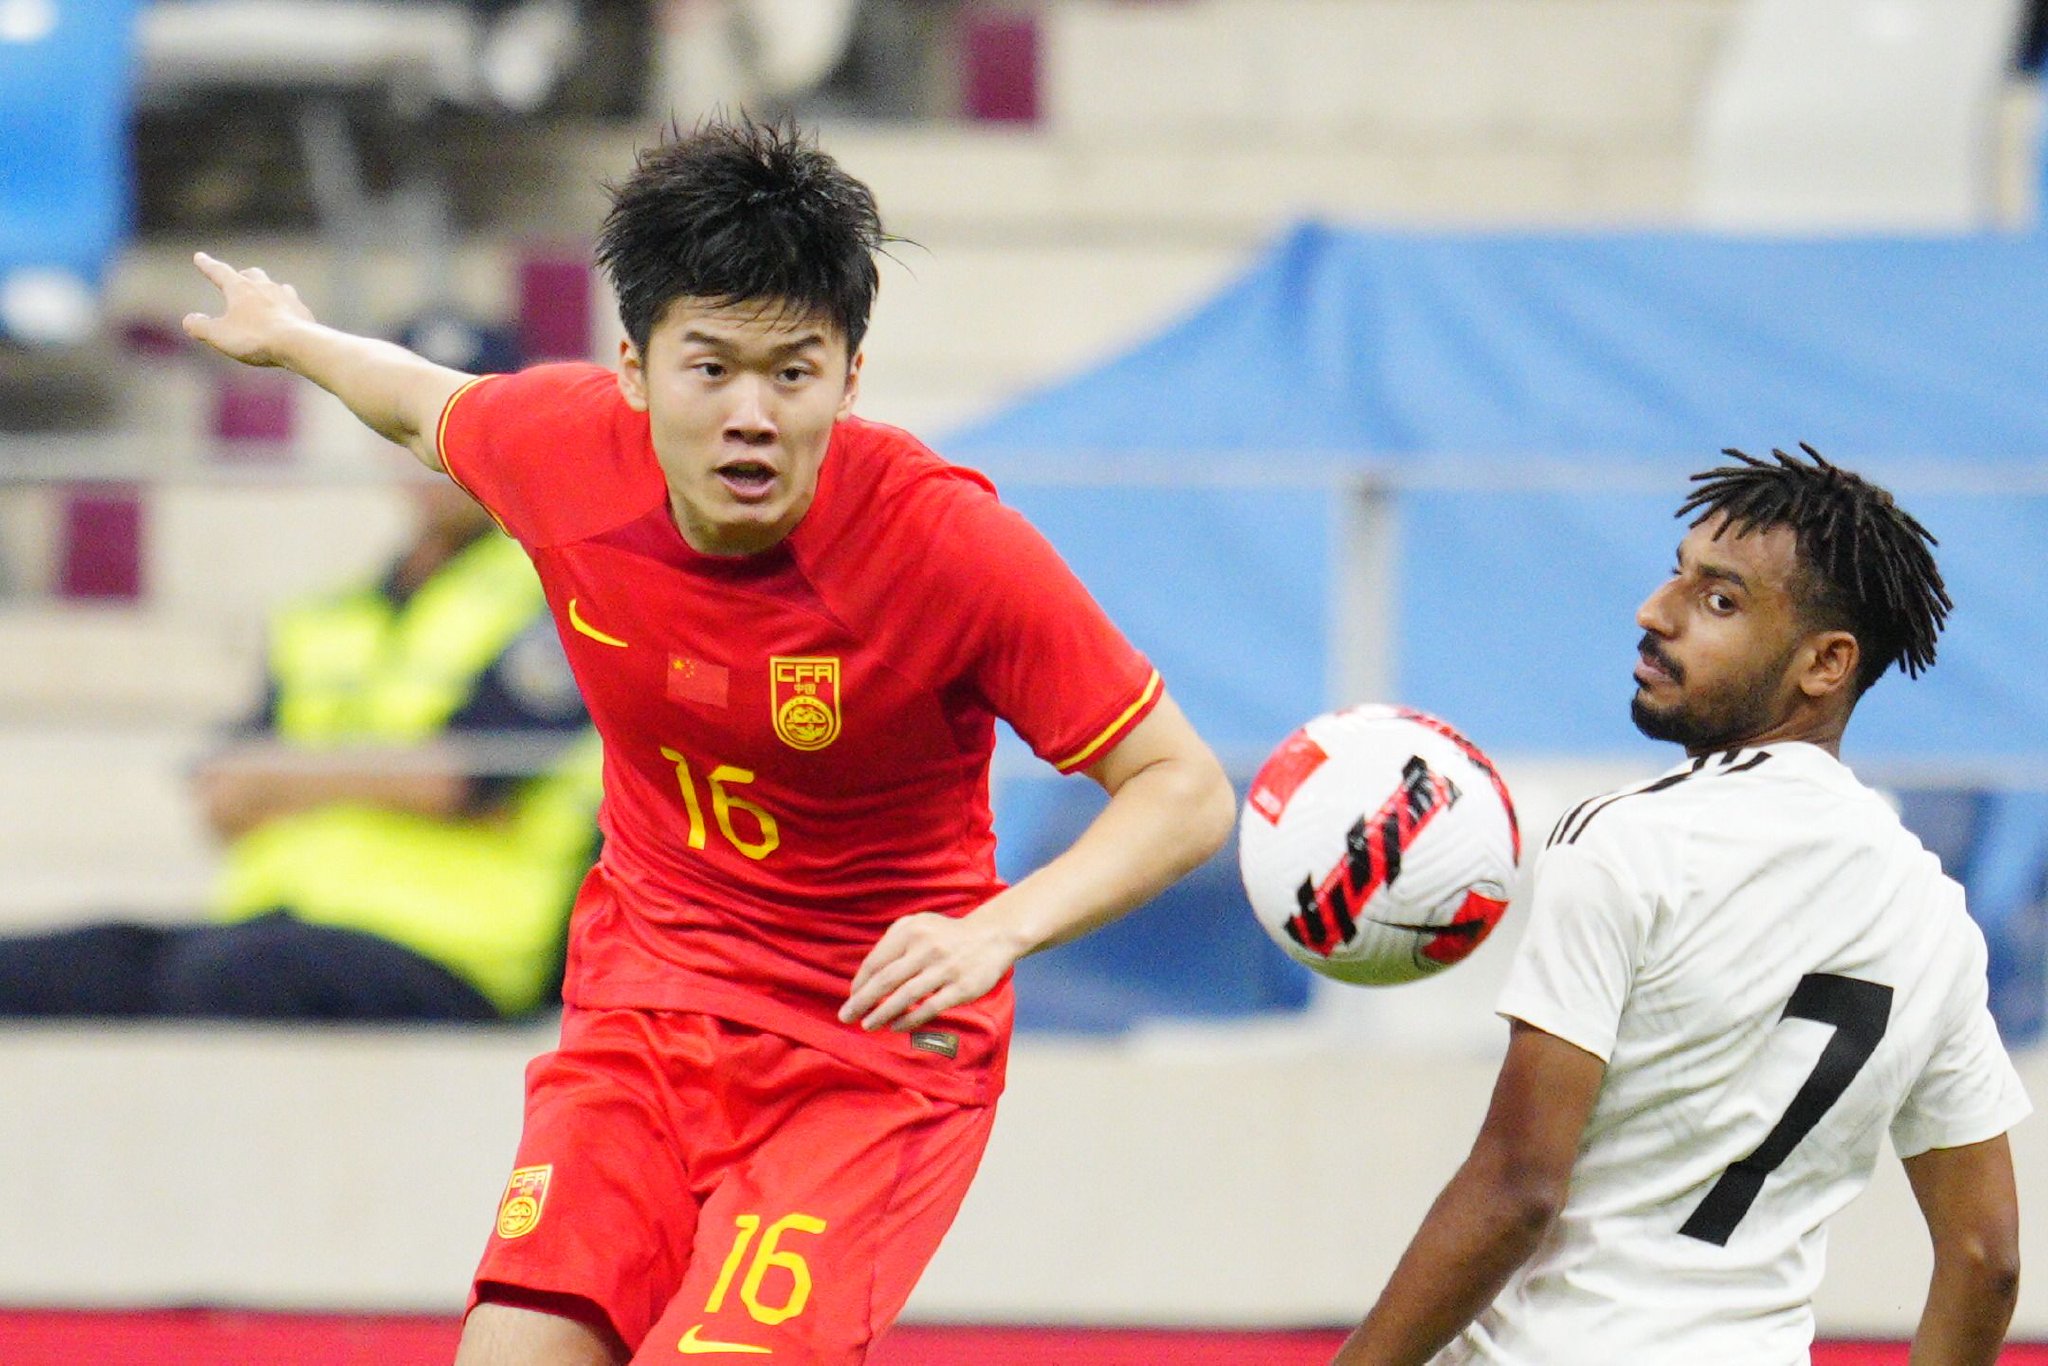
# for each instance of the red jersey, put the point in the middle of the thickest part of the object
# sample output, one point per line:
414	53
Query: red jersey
797	742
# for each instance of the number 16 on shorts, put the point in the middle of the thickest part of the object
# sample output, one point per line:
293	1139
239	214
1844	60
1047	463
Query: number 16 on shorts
766	1302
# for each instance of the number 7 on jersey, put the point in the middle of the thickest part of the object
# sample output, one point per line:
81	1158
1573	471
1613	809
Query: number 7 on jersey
1860	1011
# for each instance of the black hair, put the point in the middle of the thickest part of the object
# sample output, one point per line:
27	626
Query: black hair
1867	567
735	211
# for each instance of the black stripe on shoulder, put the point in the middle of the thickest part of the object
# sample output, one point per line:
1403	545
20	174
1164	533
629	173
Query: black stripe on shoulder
1751	762
1564	822
1669	780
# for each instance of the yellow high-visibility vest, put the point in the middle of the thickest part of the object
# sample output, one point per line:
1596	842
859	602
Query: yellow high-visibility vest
485	897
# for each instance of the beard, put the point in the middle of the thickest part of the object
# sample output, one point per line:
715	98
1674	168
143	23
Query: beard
1698	730
1717	718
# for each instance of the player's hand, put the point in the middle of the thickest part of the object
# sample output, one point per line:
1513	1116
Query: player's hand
928	963
256	311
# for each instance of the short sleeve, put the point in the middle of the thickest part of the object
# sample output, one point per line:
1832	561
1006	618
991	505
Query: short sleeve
1969	1090
1580	950
553	452
1043	653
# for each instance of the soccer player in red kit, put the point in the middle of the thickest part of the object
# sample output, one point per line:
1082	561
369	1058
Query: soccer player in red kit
788	994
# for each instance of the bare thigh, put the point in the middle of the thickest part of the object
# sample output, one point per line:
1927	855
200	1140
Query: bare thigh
506	1335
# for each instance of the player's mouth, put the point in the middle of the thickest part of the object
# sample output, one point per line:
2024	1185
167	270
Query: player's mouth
1653	666
748	481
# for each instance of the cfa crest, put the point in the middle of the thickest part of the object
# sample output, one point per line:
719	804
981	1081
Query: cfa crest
525	1194
803	693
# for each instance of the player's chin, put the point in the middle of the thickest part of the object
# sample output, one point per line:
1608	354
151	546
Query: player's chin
737	514
751	514
1659	723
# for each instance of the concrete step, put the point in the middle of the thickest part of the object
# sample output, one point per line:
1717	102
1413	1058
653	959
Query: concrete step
110	664
98	820
1222	182
359	1169
1417	72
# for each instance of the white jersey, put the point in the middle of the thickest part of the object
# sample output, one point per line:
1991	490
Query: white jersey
1775	972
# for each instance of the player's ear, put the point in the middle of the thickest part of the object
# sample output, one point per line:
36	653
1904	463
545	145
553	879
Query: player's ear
852	385
632	375
1831	663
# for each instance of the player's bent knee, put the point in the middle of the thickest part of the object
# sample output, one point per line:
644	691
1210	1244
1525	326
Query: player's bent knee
512	1335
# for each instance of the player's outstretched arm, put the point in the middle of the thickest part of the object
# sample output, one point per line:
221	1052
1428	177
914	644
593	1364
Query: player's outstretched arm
1170	807
397	394
1494	1211
1968	1198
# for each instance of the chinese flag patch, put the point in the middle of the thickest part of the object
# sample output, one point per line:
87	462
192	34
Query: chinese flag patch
697	680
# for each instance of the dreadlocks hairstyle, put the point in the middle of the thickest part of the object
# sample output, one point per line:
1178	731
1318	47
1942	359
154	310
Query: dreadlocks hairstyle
1866	562
736	211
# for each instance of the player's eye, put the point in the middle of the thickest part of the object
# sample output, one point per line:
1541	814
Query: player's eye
710	369
1720	602
793	374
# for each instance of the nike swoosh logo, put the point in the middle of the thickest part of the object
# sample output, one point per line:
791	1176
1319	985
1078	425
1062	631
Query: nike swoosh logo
1462	929
576	620
692	1345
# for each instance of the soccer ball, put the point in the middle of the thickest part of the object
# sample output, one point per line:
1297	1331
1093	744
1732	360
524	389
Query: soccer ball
1376	845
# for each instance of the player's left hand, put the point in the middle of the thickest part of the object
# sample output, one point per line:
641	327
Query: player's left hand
928	963
256	312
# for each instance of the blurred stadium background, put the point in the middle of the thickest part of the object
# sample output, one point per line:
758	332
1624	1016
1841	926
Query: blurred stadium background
1348	348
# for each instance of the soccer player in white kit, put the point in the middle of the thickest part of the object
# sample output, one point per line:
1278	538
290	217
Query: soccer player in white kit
1734	979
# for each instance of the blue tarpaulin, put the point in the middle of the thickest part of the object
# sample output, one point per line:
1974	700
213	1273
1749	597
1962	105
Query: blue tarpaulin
1532	404
1536	403
1622	347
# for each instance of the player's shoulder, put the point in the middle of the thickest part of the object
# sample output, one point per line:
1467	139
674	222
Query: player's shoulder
888	486
889	460
577	389
1661	806
1770	793
554	450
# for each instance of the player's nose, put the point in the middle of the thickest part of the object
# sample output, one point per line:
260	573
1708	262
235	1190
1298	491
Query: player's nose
750	419
1654	615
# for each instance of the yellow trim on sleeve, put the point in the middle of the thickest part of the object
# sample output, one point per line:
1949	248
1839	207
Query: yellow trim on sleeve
441	434
1087	751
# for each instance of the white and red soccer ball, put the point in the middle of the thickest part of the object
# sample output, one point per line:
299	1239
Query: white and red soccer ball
1377	845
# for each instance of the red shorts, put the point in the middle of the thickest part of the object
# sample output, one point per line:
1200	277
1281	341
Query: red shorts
707	1186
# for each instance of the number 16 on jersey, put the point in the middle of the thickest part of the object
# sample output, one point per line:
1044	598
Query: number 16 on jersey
766	836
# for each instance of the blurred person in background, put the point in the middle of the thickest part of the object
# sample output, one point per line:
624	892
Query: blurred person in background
1736	978
789	987
377	864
